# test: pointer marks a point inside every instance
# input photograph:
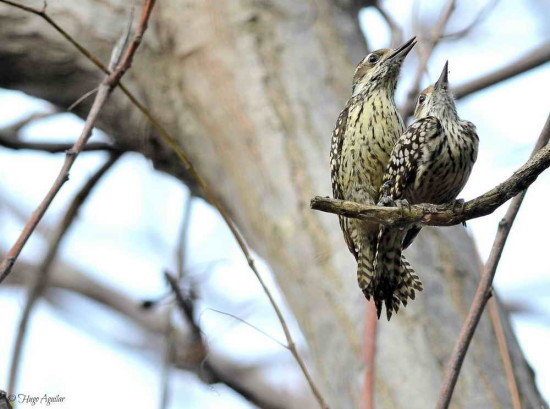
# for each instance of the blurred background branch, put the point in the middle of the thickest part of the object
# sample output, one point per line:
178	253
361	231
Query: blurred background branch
40	281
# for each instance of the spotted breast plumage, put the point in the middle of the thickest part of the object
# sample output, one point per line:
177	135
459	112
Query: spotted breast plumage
365	134
430	163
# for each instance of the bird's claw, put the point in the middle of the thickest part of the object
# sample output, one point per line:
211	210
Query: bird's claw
458	207
386	201
401	204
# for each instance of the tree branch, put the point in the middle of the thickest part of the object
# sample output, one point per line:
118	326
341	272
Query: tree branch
371	324
65	278
10	138
432	42
170	352
533	59
57	147
443	215
483	291
395	28
103	93
504	353
42	276
208	371
482	15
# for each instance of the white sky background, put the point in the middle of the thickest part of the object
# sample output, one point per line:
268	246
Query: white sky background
127	231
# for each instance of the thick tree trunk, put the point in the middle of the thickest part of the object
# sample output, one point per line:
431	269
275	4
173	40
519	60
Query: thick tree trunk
251	90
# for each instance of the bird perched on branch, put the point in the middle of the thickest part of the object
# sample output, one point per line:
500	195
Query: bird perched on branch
430	163
365	134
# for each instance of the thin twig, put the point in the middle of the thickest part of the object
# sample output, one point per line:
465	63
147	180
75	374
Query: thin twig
529	61
395	28
443	215
503	349
41	279
483	291
500	336
208	195
170	352
81	99
371	323
479	18
69	279
504	353
10	137
426	53
57	147
187	308
181	249
12	131
102	95
533	59
254	327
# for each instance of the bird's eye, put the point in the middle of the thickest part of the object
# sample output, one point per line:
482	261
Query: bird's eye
421	99
372	58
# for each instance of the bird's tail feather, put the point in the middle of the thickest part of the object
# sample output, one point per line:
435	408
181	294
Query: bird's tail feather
394	281
365	265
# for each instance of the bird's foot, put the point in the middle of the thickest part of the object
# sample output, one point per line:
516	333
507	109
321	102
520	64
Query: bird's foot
402	204
386	201
458	207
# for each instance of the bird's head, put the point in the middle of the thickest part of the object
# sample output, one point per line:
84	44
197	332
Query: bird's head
380	69
436	100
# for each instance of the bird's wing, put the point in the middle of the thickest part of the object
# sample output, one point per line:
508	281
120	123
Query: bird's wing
336	152
335	156
407	155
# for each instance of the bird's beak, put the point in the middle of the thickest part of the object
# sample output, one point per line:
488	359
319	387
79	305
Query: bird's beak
443	81
400	53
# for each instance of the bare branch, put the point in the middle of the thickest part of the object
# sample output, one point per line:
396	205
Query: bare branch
208	371
425	55
442	215
12	131
482	15
532	59
10	138
371	324
504	353
395	28
103	93
170	352
483	291
57	147
254	327
42	276
503	348
153	321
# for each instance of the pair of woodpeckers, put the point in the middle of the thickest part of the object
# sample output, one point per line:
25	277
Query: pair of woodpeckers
375	160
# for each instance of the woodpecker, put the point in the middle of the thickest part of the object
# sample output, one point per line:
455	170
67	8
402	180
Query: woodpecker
430	163
366	132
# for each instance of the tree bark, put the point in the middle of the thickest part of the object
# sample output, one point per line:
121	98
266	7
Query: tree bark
251	90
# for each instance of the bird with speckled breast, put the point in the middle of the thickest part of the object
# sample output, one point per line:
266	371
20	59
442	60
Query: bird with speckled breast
430	163
366	131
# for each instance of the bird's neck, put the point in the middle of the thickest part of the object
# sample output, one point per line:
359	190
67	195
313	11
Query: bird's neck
372	89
